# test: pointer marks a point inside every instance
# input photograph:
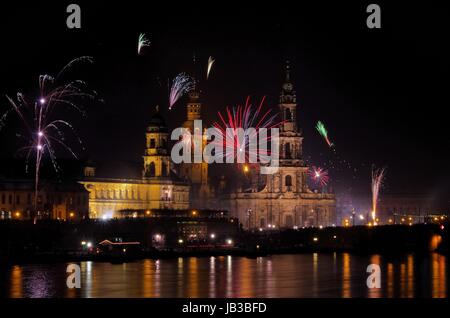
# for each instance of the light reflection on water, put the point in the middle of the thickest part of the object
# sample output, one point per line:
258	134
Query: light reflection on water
301	275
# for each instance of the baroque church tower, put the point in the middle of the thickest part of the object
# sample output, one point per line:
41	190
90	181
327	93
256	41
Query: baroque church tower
292	173
195	173
286	200
156	157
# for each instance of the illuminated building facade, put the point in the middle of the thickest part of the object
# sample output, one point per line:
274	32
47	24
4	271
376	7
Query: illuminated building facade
59	201
285	200
159	187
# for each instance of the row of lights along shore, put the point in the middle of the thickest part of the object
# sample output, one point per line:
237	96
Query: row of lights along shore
18	215
212	236
404	220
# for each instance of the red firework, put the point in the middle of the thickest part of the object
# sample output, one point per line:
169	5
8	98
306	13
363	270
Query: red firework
245	117
319	176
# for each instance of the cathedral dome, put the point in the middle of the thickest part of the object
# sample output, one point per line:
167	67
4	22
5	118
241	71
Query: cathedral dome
157	123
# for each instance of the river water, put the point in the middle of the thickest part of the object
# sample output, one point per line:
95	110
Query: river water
299	275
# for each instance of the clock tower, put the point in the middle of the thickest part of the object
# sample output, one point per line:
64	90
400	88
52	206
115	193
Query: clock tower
288	104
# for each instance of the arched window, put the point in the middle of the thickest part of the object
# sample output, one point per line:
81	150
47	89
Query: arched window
288	181
287	114
151	169
287	150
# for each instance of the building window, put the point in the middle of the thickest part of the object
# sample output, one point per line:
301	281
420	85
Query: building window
151	169
3	199
10	199
288	181
287	151
18	199
152	143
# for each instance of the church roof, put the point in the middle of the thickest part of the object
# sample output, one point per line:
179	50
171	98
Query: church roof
157	123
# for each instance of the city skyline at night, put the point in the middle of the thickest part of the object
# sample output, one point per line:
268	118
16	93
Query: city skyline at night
223	158
372	116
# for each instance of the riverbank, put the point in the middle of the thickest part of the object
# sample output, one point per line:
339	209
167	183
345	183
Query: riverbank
60	242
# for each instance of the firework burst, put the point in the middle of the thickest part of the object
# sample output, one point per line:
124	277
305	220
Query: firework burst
211	61
44	132
181	85
323	132
377	182
319	176
142	42
244	117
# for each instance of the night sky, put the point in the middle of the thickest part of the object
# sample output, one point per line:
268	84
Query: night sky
383	94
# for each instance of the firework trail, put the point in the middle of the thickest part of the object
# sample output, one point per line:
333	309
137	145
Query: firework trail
142	42
244	117
319	176
181	85
323	132
377	181
43	131
211	61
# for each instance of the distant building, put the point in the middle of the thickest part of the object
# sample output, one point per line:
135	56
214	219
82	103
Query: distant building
117	246
285	200
62	201
159	187
392	208
165	229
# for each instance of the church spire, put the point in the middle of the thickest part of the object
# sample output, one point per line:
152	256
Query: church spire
194	94
288	71
287	92
194	64
288	103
